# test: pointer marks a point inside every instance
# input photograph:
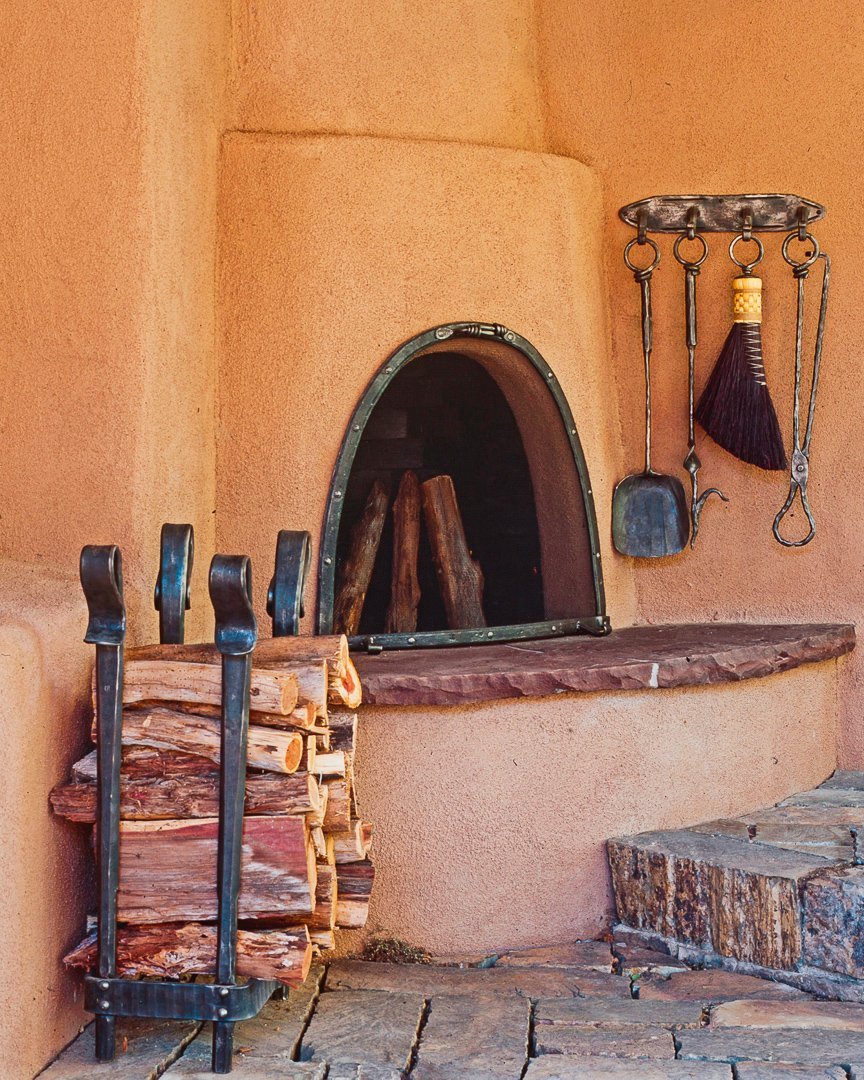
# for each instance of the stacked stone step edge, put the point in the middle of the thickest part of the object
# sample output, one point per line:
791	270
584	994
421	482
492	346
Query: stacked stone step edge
776	892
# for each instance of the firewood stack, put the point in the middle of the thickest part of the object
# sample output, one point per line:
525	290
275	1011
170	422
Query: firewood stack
305	867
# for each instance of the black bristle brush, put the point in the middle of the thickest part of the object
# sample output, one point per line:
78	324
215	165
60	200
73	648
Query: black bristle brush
735	407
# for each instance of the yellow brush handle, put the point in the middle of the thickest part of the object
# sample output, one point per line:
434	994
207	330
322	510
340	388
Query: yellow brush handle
747	299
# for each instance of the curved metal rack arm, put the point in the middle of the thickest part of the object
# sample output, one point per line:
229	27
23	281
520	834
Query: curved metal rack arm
172	596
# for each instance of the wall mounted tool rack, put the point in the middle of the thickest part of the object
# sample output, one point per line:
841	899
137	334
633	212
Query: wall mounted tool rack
225	1000
721	213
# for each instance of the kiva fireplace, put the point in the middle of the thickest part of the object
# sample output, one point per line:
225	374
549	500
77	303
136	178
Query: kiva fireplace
475	402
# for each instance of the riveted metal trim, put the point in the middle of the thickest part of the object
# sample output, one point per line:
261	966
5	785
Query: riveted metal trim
598	624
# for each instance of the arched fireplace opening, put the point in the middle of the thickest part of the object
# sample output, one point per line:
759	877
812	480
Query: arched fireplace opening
475	402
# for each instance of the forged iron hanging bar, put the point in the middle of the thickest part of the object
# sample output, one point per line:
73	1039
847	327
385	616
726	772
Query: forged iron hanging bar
288	584
236	635
101	573
172	596
721	213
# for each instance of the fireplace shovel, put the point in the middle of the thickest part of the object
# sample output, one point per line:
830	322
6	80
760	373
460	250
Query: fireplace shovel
650	515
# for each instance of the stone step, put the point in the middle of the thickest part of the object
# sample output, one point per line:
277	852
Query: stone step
777	888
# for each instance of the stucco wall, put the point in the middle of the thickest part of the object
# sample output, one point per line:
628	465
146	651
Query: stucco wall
668	102
335	250
490	820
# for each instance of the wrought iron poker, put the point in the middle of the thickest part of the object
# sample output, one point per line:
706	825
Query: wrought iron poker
692	462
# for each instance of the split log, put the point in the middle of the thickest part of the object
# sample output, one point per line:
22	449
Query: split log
337	816
168	870
283	652
353	844
144	763
460	578
172	952
354	884
348	690
160	797
168	680
302	718
163	729
356	571
326	764
404	582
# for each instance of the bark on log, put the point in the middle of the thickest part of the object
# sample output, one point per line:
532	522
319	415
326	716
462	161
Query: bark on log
326	893
356	570
168	870
354	885
171	952
144	763
163	729
160	797
168	680
337	816
404	583
343	730
460	578
279	652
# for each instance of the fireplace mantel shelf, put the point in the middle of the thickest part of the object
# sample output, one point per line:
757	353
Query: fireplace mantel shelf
635	658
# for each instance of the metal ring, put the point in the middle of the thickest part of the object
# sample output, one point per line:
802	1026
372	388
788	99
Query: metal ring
637	269
746	267
814	255
696	236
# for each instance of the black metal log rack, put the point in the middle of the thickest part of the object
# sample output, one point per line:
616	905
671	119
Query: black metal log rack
225	1000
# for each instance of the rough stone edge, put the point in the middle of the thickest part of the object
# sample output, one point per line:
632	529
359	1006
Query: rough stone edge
824	984
816	642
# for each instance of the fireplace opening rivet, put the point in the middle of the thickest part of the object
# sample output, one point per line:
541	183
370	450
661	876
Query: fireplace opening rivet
549	375
328	560
224	991
412	641
388	371
490	634
222	1012
572	430
337	494
104	986
356	427
554	627
104	1004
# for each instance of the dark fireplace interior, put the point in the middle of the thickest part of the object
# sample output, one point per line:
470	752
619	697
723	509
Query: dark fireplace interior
444	414
477	403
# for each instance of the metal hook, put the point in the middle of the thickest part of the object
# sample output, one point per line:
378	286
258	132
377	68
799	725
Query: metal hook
231	595
172	596
287	586
101	571
641	234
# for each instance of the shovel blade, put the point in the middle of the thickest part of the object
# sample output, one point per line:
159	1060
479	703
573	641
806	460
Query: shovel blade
650	516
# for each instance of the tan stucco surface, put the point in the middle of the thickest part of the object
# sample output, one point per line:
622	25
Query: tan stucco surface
490	820
673	102
320	280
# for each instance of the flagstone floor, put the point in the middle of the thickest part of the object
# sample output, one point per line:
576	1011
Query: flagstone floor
577	1012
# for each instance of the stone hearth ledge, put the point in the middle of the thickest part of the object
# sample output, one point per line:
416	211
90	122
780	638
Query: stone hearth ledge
634	658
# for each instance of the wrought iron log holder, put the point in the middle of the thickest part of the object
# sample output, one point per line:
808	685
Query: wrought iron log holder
287	586
224	1001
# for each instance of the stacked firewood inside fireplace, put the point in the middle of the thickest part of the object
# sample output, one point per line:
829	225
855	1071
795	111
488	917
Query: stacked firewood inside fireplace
305	867
458	574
